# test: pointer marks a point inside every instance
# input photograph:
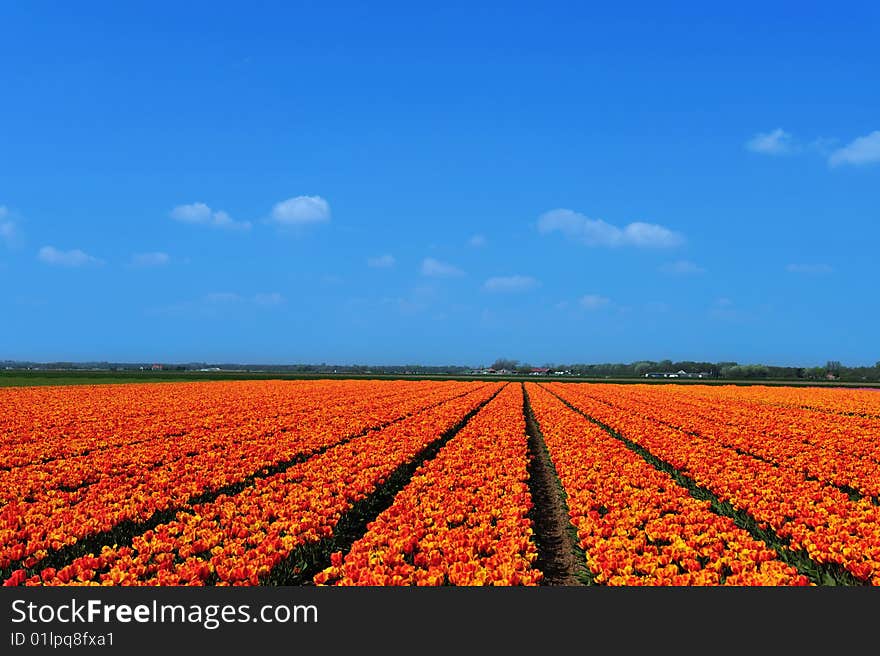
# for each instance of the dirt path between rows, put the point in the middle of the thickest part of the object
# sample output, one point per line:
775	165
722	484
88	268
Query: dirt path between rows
556	549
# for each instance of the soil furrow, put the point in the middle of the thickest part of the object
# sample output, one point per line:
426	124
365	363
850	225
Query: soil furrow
301	565
559	557
819	573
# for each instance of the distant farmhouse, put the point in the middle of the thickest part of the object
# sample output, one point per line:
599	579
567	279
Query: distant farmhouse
676	374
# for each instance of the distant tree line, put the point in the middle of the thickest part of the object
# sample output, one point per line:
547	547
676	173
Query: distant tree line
833	369
322	368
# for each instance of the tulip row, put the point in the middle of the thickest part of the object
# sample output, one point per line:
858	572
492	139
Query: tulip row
37	429
37	524
213	429
837	401
635	524
238	540
840	452
463	518
42	424
812	425
813	518
824	429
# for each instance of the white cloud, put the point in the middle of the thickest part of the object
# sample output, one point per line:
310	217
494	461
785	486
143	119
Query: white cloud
269	299
682	268
593	302
595	232
477	241
650	235
775	142
809	268
863	150
510	284
71	258
199	213
436	269
150	259
381	262
301	210
192	213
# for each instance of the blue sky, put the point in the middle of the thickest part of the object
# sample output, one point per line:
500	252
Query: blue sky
407	183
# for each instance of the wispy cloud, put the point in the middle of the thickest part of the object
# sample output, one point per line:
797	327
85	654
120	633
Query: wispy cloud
657	307
331	279
682	268
510	284
824	146
71	258
269	299
9	231
595	232
219	298
476	241
300	211
201	214
775	142
809	268
403	305
381	261
150	259
266	299
218	304
593	301
418	299
437	269
725	309
860	151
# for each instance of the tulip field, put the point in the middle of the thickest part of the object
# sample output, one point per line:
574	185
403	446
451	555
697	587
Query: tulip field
417	482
